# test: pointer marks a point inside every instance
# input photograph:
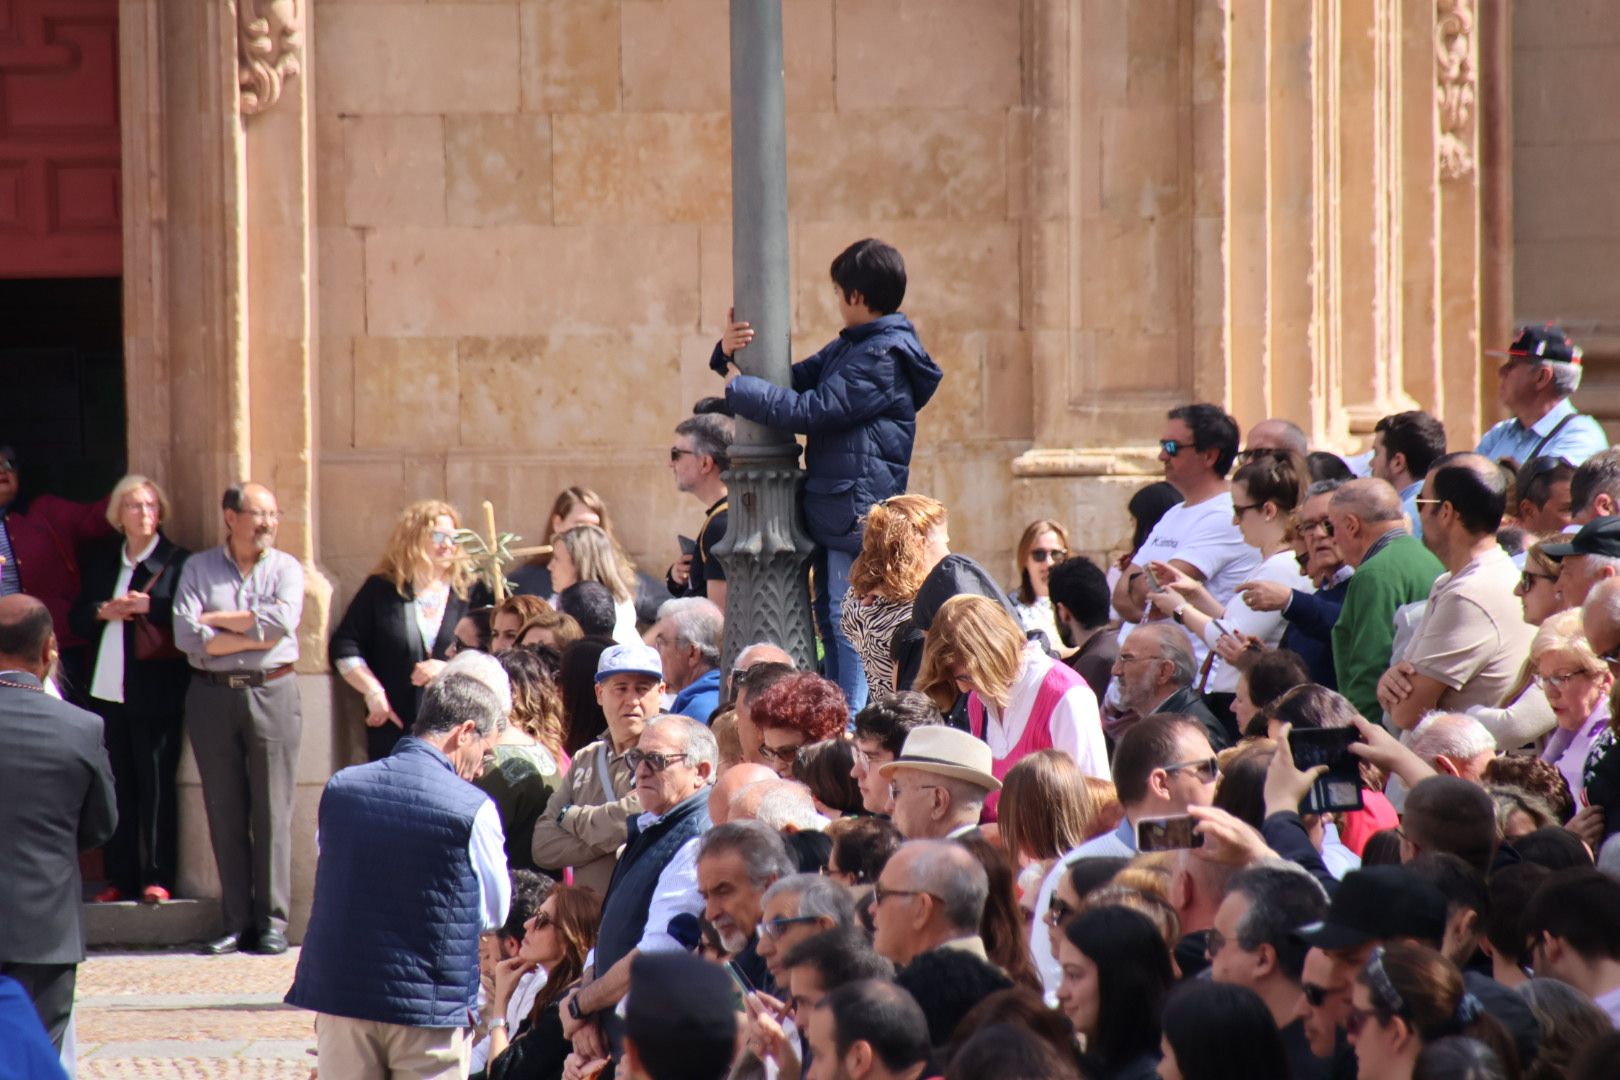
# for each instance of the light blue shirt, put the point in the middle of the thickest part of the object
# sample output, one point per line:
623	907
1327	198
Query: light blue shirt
1580	439
1410	508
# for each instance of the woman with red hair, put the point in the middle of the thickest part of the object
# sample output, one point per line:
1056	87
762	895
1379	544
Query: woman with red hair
800	710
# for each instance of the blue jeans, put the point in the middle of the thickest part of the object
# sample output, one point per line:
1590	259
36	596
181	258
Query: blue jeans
841	663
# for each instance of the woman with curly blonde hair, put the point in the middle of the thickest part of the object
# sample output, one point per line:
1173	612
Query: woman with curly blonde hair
399	627
1020	700
904	538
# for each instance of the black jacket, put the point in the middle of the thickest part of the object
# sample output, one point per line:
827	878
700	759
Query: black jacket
956	575
152	687
380	628
1189	702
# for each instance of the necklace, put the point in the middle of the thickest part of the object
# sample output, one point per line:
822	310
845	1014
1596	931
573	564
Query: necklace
20	685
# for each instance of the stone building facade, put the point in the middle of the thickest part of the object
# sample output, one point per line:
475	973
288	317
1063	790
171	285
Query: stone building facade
480	249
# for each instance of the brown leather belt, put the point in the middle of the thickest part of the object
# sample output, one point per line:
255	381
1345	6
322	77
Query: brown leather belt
241	680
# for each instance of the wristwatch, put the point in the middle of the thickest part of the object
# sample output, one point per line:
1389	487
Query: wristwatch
498	1022
1178	616
574	1009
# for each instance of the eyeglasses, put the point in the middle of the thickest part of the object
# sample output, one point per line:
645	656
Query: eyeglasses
541	920
894	789
1058	913
1316	996
1310	525
880	894
1428	502
676	453
784	754
655	761
1527	580
1172	447
439	536
1208	769
1255	454
457	646
854	876
1214	943
1557	682
1041	555
772	928
262	515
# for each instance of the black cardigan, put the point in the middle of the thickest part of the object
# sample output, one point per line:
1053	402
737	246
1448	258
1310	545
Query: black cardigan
380	628
157	687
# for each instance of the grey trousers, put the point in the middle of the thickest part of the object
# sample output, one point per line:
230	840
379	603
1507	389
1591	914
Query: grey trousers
246	745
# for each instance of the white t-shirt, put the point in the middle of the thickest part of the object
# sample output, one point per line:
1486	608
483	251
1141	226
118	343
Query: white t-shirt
1204	537
1268	626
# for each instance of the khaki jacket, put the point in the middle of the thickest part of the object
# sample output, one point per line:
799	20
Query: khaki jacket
586	821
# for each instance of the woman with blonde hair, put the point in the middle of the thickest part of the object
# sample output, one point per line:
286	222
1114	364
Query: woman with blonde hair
1020	700
1045	543
588	553
904	538
1577	684
399	627
137	684
1046	808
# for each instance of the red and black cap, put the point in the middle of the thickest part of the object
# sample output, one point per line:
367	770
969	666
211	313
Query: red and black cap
1544	344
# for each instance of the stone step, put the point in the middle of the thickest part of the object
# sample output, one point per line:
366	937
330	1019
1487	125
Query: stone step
137	925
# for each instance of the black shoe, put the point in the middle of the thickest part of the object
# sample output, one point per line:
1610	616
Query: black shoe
271	943
223	946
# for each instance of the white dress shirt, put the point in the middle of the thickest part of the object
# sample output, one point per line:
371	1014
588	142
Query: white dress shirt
675	894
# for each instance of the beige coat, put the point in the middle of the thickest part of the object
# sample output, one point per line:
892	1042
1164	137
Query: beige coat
586	820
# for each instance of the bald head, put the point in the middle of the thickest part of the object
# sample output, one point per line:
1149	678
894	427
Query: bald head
27	642
763	652
1361	511
732	781
1276	433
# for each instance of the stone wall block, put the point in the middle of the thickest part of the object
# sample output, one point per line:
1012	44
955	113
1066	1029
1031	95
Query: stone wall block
359	500
527	279
957	409
341	296
714	273
395	170
675	55
807	43
561	391
498	170
570	55
1142	170
403	391
1567	196
416	58
1050	291
334	361
929	54
329	171
641	167
1009	385
1047	26
898	165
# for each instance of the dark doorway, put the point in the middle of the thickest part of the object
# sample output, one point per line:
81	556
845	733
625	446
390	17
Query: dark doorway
62	383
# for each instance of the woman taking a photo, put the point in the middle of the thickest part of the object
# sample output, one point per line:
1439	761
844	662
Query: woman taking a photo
402	620
137	683
1019	699
556	940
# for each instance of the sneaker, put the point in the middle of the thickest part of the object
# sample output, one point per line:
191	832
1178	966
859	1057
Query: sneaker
112	894
154	894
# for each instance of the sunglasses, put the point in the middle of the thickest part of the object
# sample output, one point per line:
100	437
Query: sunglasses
655	761
1527	580
1041	555
1172	447
1214	943
1058	913
676	453
541	920
1316	996
1208	769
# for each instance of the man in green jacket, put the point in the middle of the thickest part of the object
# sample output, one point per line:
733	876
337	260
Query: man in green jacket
1392	568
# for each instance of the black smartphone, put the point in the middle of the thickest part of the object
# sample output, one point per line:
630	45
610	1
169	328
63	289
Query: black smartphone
1340	787
1167	834
688	545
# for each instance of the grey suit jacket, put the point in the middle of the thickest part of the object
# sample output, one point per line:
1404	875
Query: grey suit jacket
56	800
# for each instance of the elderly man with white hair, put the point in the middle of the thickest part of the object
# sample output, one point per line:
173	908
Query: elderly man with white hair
688	636
784	805
1453	743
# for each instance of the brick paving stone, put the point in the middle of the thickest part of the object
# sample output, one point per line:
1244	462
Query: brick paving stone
113	1024
194	1068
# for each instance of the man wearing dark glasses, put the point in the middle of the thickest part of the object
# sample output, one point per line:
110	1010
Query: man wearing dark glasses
1538	373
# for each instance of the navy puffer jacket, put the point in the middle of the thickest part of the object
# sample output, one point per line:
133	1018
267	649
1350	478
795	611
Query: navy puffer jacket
857	401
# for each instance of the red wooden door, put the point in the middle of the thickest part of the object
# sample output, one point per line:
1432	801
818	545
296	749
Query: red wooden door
59	202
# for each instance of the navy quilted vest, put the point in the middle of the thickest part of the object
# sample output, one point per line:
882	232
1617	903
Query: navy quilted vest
393	934
624	912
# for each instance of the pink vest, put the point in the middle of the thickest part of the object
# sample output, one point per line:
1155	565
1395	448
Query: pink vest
1059	680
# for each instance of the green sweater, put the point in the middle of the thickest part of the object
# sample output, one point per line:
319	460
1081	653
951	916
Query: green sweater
1402	573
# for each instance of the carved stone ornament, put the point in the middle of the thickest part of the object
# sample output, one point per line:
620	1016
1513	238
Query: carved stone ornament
1454	85
269	49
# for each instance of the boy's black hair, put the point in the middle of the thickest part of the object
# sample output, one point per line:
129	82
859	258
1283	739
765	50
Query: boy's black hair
873	269
1080	585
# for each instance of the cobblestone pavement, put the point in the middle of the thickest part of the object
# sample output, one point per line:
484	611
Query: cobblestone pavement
176	1015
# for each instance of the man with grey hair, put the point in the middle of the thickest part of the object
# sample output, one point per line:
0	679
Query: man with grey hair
796	909
780	804
1594	490
1590	556
411	869
236	614
1393	569
1255	943
737	863
688	636
699	459
1538	373
1154	671
655	879
931	895
1453	743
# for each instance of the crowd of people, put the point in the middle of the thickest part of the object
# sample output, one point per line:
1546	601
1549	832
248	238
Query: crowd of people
1071	820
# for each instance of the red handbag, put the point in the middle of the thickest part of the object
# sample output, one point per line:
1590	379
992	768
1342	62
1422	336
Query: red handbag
154	642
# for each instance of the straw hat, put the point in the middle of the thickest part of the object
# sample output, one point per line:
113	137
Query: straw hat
947	751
